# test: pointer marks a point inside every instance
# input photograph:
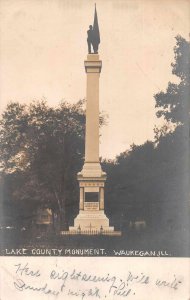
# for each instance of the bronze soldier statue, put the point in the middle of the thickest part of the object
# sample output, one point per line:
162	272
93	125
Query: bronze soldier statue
93	35
90	38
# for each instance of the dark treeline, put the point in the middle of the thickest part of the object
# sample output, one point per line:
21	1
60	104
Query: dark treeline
42	149
41	152
151	182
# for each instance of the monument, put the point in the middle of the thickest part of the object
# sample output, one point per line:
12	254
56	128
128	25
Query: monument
91	217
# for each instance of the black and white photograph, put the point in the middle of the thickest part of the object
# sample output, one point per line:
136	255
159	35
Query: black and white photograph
94	137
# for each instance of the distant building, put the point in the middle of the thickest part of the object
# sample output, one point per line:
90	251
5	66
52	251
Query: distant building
44	218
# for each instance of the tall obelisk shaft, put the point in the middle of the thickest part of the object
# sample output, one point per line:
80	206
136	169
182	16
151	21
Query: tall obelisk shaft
93	68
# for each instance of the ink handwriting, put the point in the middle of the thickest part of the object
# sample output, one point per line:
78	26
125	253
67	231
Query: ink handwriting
78	284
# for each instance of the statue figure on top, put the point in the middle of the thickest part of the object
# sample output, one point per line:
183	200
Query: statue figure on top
93	35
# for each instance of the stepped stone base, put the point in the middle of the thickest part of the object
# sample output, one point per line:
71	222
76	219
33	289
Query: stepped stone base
92	170
91	220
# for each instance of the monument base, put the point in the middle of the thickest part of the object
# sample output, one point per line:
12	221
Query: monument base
91	170
91	221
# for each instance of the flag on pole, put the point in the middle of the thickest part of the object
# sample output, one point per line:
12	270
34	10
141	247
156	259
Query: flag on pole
96	33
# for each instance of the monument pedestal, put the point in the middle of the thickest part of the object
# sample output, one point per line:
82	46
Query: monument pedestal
91	221
91	215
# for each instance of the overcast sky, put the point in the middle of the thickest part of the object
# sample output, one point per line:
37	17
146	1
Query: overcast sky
43	48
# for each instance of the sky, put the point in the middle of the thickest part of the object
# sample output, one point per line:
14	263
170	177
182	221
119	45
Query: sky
43	48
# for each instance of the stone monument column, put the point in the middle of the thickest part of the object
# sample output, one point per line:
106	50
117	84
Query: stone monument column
91	218
93	68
